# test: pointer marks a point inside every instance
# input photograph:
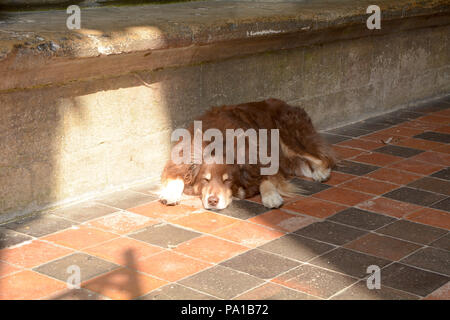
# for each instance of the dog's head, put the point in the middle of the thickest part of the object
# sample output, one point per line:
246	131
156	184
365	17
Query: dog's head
215	184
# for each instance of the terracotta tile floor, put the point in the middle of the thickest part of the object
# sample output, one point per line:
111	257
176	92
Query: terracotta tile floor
386	204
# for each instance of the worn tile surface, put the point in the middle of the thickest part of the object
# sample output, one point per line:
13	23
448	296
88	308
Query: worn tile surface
260	264
361	219
410	279
330	232
221	282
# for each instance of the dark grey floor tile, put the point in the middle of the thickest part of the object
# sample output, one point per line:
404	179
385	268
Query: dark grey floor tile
371	126
442	174
411	231
126	199
38	225
76	294
355	168
174	291
349	262
315	281
221	282
260	264
296	247
360	291
90	267
399	151
361	219
429	258
410	279
330	232
271	291
333	138
432	185
10	238
410	195
164	235
310	187
430	107
443	205
388	118
442	243
243	209
434	136
349	131
84	211
406	114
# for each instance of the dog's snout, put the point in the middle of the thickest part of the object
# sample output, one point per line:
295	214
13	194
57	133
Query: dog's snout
213	200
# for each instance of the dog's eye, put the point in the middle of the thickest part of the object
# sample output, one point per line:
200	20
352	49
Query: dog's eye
206	179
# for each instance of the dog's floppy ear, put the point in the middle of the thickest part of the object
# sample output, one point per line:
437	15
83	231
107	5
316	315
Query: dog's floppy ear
191	173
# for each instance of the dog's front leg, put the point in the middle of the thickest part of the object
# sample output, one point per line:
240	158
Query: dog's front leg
269	195
172	191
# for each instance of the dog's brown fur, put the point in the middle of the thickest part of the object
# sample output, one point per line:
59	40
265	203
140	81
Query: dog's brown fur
302	152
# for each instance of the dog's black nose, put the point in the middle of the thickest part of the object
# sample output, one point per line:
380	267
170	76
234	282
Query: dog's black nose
213	200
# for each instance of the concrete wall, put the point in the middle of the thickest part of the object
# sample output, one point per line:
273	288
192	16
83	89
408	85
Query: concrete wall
61	143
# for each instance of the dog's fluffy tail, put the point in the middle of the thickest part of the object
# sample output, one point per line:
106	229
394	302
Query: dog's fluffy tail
289	189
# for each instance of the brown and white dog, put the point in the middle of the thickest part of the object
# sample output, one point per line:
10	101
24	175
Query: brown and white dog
302	152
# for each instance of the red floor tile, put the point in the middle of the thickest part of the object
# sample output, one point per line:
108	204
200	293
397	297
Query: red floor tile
419	144
415	166
361	144
210	249
369	186
382	246
123	284
337	178
205	221
157	210
433	157
443	149
283	221
248	234
432	217
443	129
28	285
343	196
433	118
443	293
346	153
122	222
6	269
314	207
384	138
389	207
123	251
394	176
170	266
401	131
80	237
378	159
423	125
33	254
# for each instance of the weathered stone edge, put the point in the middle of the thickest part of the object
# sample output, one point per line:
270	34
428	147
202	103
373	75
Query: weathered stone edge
64	56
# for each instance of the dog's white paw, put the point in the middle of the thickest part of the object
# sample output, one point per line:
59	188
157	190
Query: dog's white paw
172	192
169	199
321	174
272	200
